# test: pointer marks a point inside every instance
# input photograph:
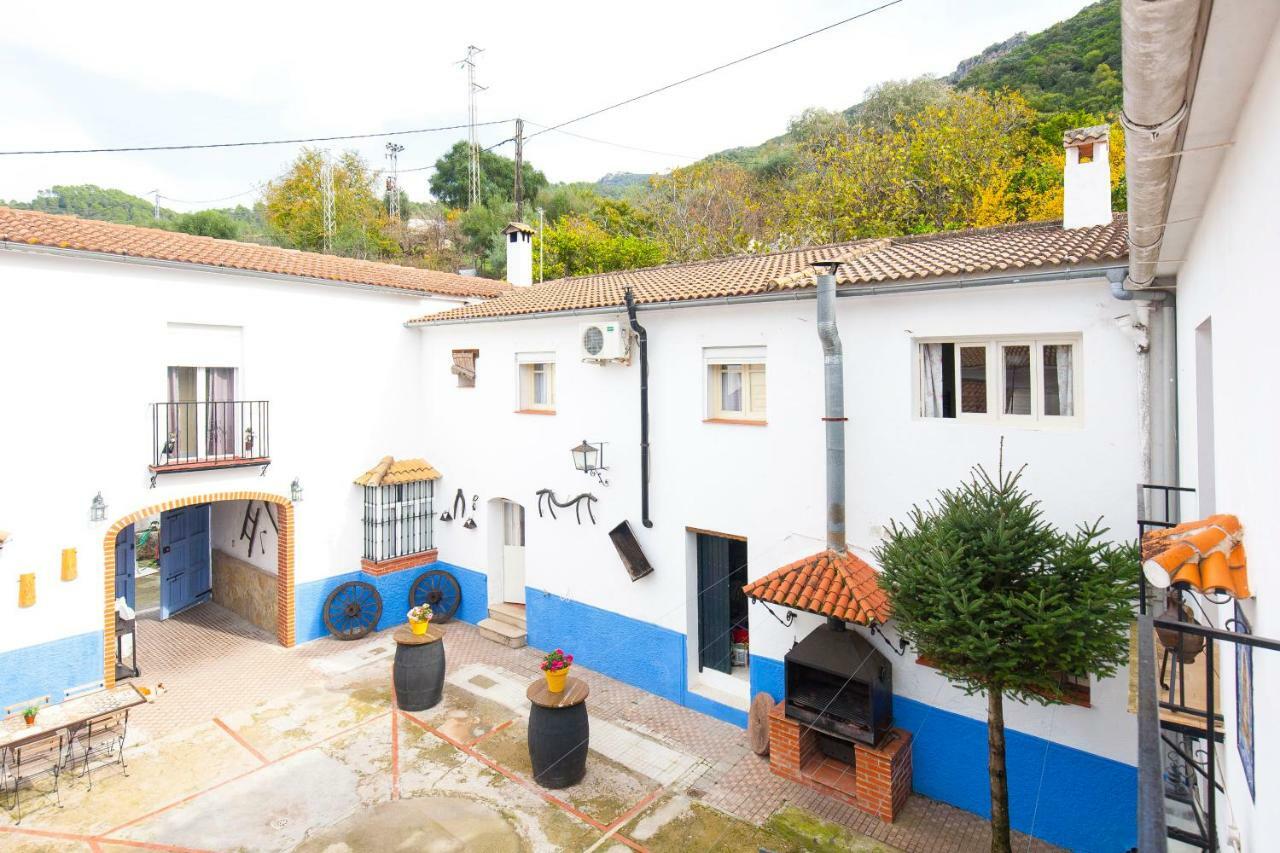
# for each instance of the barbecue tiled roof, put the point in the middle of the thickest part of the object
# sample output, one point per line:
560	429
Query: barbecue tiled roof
1206	555
393	472
897	260
35	228
827	583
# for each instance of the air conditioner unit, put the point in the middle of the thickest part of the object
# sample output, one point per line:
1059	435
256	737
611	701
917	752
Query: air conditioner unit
604	340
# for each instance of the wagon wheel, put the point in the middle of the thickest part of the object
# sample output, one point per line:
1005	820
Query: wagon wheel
439	589
352	610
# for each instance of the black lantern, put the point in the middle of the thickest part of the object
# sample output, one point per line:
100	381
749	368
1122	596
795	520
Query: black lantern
587	456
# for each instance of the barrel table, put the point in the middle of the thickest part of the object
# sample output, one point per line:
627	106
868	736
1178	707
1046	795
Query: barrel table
418	672
558	733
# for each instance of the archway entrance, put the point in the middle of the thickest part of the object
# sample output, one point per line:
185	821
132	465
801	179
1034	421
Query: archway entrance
284	563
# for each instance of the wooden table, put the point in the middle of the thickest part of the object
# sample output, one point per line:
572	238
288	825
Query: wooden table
418	672
69	715
559	733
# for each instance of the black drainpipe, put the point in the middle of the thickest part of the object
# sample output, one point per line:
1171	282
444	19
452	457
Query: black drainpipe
643	337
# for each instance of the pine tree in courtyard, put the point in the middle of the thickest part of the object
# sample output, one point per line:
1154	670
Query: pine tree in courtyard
1003	603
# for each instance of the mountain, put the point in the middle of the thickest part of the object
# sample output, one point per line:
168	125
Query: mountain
617	184
89	201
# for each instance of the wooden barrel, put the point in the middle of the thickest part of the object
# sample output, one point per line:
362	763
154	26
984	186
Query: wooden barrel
418	673
559	733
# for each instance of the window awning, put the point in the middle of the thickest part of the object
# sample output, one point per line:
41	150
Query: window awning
1206	555
390	472
464	363
828	584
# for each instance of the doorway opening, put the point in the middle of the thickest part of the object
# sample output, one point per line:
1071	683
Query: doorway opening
191	575
723	656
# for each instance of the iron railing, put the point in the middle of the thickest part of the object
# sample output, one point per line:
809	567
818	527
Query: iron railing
397	520
220	434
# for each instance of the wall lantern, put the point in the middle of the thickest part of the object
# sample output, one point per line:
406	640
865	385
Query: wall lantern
295	490
589	459
98	509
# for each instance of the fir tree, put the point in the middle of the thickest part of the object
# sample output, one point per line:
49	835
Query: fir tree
1002	603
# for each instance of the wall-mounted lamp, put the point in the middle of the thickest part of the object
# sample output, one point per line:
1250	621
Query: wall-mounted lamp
295	490
589	459
98	508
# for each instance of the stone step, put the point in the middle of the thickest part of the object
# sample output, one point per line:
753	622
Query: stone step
500	632
512	614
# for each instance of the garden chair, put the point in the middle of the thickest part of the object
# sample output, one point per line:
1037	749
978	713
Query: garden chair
34	760
100	740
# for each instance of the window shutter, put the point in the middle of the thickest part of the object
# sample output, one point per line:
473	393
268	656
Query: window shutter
758	391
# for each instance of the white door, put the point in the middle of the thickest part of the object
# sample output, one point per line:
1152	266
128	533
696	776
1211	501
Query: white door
513	553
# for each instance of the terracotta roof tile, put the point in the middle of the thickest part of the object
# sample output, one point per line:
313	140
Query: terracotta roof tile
826	583
34	228
1007	248
393	472
1206	555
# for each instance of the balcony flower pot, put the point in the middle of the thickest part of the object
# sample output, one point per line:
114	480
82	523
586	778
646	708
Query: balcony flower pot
420	619
555	667
30	716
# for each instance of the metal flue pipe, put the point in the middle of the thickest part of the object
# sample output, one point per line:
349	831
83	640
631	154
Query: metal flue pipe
833	416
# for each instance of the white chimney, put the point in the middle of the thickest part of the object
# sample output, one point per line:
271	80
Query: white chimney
1086	179
519	254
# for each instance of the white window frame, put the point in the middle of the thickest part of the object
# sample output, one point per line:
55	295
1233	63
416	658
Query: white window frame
994	345
716	360
527	365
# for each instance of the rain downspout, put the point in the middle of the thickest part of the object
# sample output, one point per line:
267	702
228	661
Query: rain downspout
643	338
833	415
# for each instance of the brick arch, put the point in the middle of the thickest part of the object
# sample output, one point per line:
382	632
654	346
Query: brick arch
285	580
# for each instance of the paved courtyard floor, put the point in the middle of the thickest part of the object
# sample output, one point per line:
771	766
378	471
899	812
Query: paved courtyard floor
254	747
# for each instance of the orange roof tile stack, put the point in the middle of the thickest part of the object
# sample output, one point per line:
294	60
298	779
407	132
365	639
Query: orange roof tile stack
827	583
392	472
34	228
1206	555
1031	246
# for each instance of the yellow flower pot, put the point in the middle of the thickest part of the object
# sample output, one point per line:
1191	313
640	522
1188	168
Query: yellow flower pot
419	627
555	679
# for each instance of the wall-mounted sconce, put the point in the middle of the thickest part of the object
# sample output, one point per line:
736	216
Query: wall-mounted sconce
27	589
68	564
295	490
589	459
98	508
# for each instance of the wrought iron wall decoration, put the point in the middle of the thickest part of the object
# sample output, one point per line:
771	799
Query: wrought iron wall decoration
575	502
459	507
249	527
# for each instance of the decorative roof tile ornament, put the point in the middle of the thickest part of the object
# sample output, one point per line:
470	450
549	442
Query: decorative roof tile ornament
390	472
1206	555
828	583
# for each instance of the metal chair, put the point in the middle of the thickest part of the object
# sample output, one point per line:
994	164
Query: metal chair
33	760
100	739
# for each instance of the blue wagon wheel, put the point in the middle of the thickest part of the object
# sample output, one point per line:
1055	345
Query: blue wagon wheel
352	610
439	589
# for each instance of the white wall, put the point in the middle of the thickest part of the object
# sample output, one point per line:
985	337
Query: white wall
230	534
767	483
83	355
1229	277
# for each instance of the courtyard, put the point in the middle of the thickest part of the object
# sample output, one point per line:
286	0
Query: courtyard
256	747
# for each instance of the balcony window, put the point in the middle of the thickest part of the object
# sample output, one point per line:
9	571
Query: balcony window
202	424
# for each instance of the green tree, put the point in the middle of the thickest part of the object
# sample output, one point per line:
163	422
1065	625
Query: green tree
580	245
1005	604
892	104
208	223
294	207
89	201
450	183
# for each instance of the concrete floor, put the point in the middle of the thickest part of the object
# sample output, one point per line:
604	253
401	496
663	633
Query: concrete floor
335	767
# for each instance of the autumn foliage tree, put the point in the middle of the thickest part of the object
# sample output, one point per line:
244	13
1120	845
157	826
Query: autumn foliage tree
1005	604
294	205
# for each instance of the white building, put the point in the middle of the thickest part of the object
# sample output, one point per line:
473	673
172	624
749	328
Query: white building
266	372
952	343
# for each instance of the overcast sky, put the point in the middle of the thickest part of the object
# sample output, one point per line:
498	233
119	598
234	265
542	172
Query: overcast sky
93	74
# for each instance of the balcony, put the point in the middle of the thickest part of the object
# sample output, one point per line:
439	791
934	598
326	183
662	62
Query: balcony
203	436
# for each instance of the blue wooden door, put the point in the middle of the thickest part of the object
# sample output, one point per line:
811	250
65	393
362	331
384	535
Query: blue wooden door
186	576
125	563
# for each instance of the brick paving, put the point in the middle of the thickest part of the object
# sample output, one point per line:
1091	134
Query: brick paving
214	663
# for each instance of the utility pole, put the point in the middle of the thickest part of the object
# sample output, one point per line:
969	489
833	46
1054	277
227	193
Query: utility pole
473	141
519	188
393	185
326	193
541	242
155	209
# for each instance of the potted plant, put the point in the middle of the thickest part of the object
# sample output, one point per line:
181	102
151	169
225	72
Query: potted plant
30	715
555	666
420	618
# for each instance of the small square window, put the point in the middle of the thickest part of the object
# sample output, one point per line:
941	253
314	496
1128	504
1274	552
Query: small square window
737	392
538	386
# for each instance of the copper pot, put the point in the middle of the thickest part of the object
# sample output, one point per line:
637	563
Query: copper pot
1185	645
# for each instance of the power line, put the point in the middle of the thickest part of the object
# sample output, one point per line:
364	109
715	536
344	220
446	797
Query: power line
251	143
613	144
709	71
252	189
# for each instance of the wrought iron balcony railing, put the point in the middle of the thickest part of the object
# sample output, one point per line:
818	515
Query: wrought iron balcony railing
221	434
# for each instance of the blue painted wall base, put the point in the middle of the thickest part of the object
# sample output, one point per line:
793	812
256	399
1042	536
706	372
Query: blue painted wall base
1060	794
394	588
47	669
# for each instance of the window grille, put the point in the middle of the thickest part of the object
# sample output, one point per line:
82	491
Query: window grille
397	520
